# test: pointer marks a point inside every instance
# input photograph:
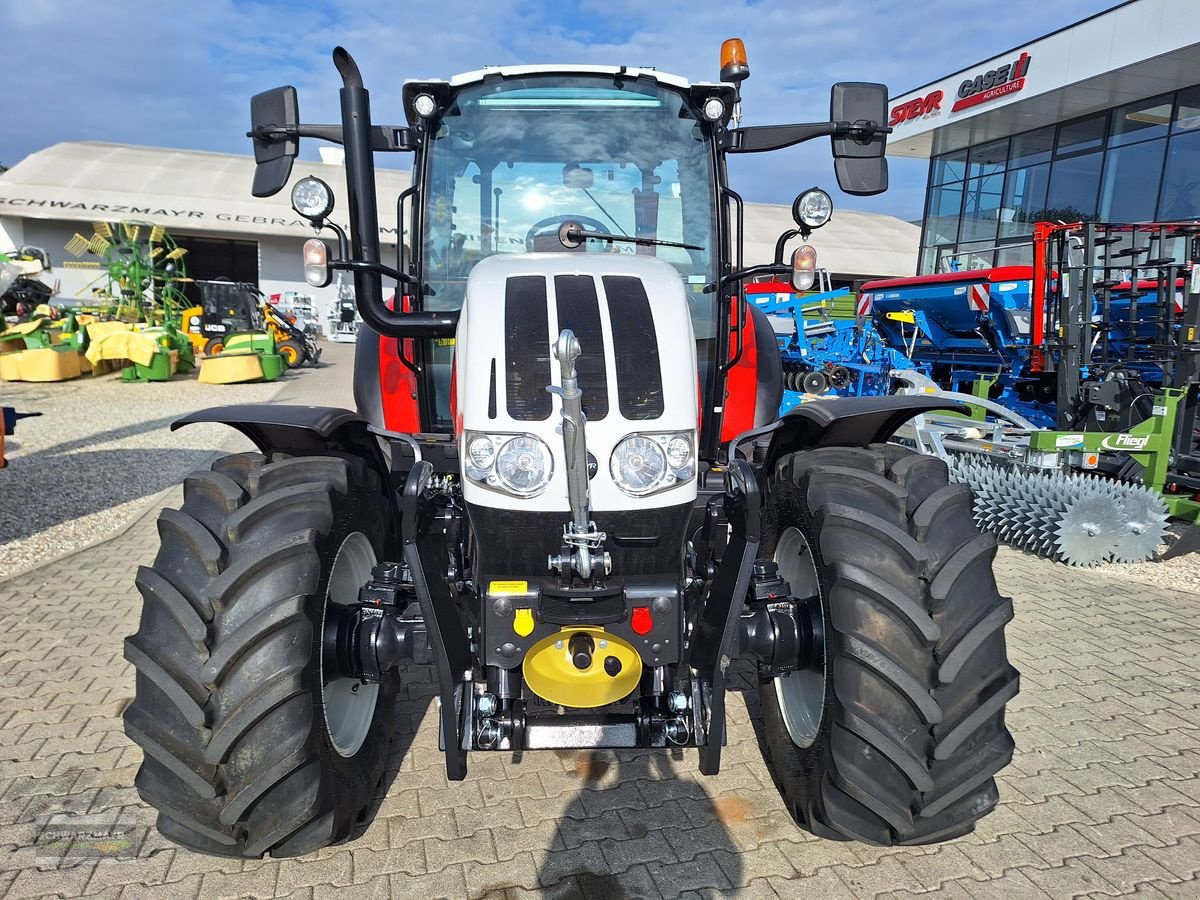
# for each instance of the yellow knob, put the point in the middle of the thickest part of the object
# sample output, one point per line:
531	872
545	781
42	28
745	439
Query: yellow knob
523	622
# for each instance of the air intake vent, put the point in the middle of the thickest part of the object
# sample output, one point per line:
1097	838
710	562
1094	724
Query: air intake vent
526	349
579	310
635	344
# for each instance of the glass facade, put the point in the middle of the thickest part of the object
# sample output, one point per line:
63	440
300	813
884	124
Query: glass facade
1134	163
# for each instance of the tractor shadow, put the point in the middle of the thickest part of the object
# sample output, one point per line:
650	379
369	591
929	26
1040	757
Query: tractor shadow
416	694
47	489
636	812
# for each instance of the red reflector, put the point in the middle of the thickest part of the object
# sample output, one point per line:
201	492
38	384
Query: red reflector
641	621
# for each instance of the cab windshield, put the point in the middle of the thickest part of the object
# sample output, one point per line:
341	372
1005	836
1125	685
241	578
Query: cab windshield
511	162
514	158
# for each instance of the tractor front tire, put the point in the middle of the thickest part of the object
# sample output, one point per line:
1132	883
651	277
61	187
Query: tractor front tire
214	346
895	735
250	746
292	353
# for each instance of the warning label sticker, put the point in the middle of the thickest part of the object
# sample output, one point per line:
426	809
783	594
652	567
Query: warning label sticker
508	587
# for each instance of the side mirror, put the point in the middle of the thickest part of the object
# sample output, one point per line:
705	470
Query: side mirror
274	122
859	162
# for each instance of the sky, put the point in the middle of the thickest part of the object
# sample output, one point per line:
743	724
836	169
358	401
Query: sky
180	74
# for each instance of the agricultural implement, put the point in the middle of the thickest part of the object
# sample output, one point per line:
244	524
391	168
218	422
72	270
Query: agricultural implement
1080	366
21	291
227	308
142	271
826	344
567	490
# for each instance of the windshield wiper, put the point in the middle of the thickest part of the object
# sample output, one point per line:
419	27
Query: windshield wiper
572	235
606	212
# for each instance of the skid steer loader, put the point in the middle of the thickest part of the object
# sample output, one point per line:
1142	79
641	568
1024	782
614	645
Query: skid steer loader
566	489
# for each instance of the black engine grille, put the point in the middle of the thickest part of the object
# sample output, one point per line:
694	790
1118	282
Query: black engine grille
579	310
526	348
635	344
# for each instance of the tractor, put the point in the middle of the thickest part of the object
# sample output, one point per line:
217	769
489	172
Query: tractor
566	490
230	307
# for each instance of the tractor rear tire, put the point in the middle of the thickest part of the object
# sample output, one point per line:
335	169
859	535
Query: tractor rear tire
214	346
895	736
292	353
248	747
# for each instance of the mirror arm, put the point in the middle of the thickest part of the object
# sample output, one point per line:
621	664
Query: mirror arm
742	274
361	265
384	138
759	138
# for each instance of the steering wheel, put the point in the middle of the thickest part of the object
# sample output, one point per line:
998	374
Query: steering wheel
543	235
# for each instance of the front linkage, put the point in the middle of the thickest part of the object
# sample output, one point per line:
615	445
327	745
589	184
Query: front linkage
407	613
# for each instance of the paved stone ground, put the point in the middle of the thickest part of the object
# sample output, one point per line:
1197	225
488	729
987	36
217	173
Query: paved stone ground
1102	799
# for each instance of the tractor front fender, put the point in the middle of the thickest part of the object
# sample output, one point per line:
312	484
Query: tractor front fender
846	422
298	430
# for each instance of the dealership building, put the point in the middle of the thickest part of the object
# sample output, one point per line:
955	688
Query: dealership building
203	201
1099	121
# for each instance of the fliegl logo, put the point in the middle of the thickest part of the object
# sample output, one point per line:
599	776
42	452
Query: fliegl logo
1131	442
928	105
993	84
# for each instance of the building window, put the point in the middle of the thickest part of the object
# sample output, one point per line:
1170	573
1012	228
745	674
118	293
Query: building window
981	209
1015	255
987	159
1180	195
945	209
1131	177
1141	121
1081	136
1187	112
1024	200
949	167
1032	147
1074	184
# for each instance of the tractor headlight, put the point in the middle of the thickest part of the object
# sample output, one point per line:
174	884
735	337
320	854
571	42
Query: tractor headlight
517	464
312	198
644	464
481	452
812	209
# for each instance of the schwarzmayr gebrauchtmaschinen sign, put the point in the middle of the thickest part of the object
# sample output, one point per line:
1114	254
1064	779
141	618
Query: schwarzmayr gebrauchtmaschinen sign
161	212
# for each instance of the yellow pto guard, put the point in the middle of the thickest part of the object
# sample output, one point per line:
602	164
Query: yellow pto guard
612	672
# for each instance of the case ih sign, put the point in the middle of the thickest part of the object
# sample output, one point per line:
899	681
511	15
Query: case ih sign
995	83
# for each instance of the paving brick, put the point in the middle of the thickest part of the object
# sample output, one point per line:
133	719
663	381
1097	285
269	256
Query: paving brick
184	889
378	888
488	879
1072	877
742	867
885	875
34	882
701	873
1181	859
256	880
560	864
448	883
408	860
337	870
478	848
1128	869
